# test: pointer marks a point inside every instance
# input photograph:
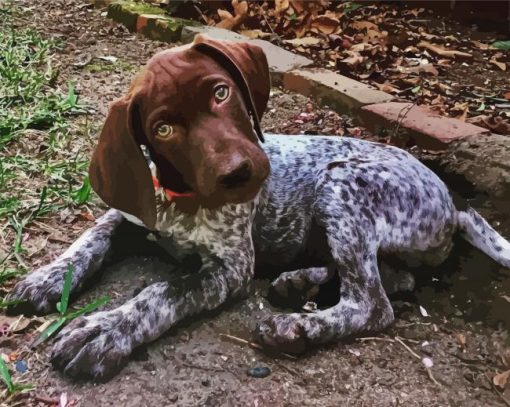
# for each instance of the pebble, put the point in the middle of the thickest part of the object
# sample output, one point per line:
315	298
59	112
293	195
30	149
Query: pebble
259	371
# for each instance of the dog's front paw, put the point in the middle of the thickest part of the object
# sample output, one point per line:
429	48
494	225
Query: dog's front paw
286	332
38	292
95	346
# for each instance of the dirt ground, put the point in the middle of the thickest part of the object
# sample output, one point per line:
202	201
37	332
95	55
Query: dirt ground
194	365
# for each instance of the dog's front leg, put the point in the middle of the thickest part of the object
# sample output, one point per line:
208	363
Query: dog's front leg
98	345
42	288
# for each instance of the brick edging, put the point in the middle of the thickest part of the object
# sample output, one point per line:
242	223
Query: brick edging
371	108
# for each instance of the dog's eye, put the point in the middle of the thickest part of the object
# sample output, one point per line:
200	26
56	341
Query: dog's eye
221	92
164	131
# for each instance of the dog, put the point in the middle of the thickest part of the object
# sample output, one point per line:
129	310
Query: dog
182	154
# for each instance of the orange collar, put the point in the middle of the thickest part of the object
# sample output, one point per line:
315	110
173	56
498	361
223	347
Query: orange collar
171	195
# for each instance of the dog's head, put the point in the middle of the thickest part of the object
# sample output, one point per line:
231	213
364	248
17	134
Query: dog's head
197	109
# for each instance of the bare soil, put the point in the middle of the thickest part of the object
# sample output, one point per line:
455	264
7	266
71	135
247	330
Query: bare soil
194	365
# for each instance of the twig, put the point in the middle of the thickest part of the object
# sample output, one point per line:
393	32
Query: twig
412	352
276	36
375	338
201	14
253	344
400	118
429	372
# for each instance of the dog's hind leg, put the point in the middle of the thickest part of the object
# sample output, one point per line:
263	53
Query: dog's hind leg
41	289
363	304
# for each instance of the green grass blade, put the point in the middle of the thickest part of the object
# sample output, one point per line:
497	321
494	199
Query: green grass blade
5	304
6	376
504	45
54	327
88	308
64	299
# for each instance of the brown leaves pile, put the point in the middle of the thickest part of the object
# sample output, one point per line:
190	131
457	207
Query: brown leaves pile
389	47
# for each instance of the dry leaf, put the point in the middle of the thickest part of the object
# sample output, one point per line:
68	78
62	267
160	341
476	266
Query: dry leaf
229	21
281	6
354	60
387	87
364	25
254	34
20	324
427	68
506	298
501	379
507	95
494	123
303	41
444	52
325	24
461	110
461	339
481	45
500	65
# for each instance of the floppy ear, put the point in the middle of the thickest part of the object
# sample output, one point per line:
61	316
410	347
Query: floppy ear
247	64
119	172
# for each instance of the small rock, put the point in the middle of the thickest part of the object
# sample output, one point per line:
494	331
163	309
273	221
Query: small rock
21	366
259	371
206	382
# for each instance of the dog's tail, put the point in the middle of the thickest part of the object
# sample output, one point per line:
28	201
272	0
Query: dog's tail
480	234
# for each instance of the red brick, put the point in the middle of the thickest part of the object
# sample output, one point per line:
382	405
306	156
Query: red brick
406	122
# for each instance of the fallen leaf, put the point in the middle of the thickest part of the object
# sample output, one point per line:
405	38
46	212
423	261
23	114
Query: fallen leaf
303	41
500	65
444	52
501	379
423	312
426	68
481	45
494	123
20	324
507	95
506	298
63	400
281	6
364	25
254	34
387	87
229	21
109	58
353	61
461	111
325	24
461	339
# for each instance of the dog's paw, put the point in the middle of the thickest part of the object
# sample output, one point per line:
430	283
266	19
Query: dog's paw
93	347
38	292
290	333
292	289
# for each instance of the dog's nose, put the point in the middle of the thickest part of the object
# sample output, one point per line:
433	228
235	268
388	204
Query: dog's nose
237	177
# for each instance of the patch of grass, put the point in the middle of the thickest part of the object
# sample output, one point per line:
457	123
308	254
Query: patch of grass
43	169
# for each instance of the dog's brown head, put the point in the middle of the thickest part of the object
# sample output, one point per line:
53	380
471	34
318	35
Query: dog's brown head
197	109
